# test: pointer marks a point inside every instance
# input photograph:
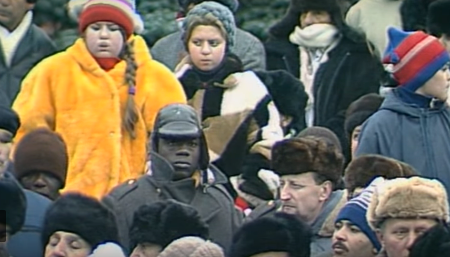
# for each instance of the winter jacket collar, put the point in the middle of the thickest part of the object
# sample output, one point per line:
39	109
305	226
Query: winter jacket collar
393	102
323	226
83	57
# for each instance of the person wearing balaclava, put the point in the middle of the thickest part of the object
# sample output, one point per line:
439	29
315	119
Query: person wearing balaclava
101	95
338	65
170	49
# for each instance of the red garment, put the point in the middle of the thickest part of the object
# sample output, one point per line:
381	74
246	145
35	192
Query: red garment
241	204
107	63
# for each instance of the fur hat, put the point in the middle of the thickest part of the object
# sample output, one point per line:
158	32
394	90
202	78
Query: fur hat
322	132
360	110
288	94
408	198
163	222
281	233
438	20
12	202
75	7
233	5
433	243
362	170
83	216
206	9
41	150
308	154
192	247
9	120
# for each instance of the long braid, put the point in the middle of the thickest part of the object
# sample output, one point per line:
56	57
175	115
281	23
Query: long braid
131	116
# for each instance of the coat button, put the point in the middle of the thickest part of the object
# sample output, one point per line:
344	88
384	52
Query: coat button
158	191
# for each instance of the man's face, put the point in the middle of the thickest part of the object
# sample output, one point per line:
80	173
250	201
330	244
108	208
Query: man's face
146	250
301	195
355	138
42	183
349	241
5	147
182	153
12	12
398	235
314	17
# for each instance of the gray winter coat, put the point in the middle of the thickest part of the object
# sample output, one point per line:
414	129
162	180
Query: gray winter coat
169	50
417	136
212	201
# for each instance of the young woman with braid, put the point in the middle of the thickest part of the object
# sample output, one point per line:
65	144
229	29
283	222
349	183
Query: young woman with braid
102	95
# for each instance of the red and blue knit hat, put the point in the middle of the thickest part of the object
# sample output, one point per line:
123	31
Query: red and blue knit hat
415	56
120	12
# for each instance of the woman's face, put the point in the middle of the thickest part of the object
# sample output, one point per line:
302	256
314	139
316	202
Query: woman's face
104	39
67	245
206	47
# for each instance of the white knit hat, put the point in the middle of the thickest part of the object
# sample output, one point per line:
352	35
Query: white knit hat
192	247
76	6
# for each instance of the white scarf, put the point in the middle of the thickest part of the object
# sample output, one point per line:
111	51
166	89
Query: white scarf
314	36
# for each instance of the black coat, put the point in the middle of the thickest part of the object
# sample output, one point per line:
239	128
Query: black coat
352	70
33	47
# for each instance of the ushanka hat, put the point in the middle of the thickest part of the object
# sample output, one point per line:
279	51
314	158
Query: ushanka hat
415	57
408	198
81	215
211	9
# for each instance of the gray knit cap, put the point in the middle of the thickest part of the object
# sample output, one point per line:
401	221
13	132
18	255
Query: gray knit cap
192	247
232	4
222	13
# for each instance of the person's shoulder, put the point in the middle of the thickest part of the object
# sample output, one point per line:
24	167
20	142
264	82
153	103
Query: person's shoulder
263	210
245	35
175	36
127	188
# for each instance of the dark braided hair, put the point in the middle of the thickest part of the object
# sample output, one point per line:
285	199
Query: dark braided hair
130	117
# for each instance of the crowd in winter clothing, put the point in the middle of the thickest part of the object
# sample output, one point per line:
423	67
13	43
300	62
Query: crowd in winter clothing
328	139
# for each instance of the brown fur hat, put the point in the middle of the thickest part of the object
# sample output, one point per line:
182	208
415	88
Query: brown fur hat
362	170
408	198
296	156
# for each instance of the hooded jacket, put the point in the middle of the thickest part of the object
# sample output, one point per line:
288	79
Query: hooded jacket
69	93
417	136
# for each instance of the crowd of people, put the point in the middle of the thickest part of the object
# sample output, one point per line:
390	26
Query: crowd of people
330	139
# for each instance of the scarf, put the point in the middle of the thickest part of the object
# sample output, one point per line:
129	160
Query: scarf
319	35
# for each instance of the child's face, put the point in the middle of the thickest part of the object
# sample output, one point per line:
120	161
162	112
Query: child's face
438	85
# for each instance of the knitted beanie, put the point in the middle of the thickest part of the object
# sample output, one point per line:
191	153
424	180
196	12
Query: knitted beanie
9	120
81	215
233	5
355	211
408	198
192	247
415	57
41	150
322	132
220	12
119	12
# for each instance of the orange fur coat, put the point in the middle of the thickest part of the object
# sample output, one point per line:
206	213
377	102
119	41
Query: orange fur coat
70	94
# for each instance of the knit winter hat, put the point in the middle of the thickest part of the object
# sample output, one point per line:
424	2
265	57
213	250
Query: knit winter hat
9	120
120	12
361	171
83	216
163	222
75	7
41	150
322	132
233	5
408	198
355	211
438	20
280	233
192	247
13	203
360	110
415	57
209	8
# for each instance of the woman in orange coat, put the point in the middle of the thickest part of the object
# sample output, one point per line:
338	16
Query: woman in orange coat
102	95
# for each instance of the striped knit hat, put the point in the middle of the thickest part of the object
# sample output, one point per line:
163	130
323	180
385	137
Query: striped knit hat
355	211
415	56
120	12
